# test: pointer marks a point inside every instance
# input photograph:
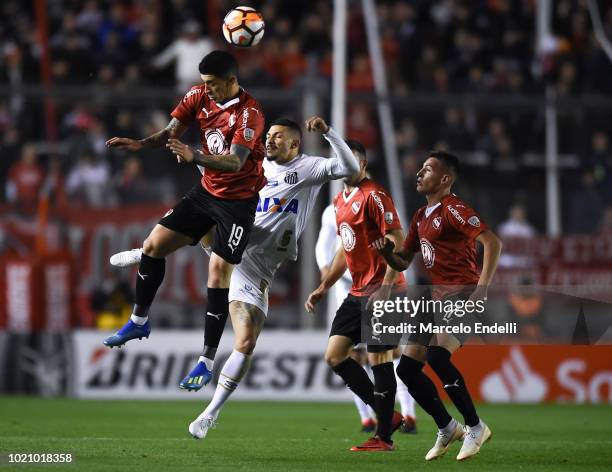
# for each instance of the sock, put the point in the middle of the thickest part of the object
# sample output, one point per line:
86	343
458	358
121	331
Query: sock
422	390
139	320
362	408
454	385
150	276
384	398
356	378
405	399
217	311
233	370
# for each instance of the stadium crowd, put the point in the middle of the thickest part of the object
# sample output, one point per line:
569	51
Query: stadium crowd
432	48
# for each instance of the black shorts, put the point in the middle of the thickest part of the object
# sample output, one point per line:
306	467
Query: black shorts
349	320
199	211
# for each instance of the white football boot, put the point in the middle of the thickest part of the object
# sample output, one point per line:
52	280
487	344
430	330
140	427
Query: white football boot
200	426
453	432
474	439
126	258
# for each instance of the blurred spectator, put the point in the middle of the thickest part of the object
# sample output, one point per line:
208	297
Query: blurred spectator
187	51
131	185
606	222
360	78
600	161
454	132
24	180
585	206
515	227
360	126
88	183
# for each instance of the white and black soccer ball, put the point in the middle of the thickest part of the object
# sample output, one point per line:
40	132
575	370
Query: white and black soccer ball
243	27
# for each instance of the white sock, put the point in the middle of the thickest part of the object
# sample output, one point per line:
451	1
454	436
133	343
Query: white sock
231	374
139	320
362	408
209	363
405	399
478	427
450	427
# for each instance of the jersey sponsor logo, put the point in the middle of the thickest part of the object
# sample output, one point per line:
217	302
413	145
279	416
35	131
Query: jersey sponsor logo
215	141
272	183
348	237
437	222
232	119
378	202
474	221
356	206
248	133
456	214
191	93
428	252
388	217
291	178
277	205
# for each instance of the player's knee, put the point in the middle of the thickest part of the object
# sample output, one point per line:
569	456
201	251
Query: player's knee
152	248
437	357
219	273
334	358
246	344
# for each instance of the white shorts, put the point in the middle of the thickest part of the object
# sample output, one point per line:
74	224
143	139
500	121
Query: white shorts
247	288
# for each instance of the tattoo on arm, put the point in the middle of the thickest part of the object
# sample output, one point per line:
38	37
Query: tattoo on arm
174	130
231	162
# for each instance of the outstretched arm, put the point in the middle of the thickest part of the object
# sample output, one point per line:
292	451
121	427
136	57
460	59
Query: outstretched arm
344	163
174	129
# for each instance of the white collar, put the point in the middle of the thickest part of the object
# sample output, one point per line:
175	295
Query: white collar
233	101
350	195
429	210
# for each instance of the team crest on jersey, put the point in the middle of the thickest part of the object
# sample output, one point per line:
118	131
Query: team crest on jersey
437	221
215	141
248	133
388	217
474	221
456	214
428	252
232	119
291	178
356	206
348	237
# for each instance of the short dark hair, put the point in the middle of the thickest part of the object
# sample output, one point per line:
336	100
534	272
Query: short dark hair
292	125
449	160
219	63
355	145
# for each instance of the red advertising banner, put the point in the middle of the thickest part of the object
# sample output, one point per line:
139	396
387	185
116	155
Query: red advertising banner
534	374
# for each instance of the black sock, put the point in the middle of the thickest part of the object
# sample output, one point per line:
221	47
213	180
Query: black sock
422	390
454	385
217	311
384	398
150	276
356	378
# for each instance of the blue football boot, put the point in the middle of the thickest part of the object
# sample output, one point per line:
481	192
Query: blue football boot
129	331
197	378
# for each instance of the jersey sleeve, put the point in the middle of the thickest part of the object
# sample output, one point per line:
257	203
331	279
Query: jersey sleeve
187	109
381	210
464	219
249	127
412	240
325	249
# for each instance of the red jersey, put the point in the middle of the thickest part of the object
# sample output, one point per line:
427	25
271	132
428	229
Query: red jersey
445	235
239	121
363	216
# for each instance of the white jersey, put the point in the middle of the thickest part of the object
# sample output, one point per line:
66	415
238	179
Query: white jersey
286	203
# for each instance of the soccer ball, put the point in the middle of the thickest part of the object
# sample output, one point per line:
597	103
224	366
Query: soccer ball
243	27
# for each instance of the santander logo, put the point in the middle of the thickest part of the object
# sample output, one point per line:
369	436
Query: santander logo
514	382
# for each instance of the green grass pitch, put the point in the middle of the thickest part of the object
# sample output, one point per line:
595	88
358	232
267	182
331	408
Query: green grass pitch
270	436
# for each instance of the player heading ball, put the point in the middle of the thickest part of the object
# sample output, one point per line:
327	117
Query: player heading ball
231	123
